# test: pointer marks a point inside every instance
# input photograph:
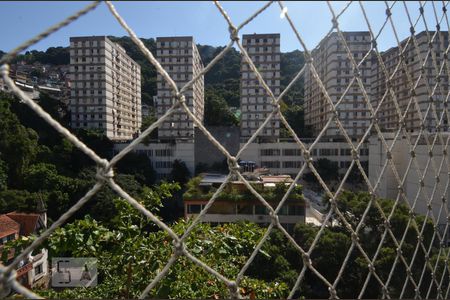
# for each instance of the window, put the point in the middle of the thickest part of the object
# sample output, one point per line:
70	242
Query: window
296	210
270	152
163	152
38	270
194	208
260	210
292	152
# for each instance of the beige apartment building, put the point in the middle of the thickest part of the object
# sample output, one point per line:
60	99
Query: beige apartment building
180	58
335	70
423	79
105	88
256	105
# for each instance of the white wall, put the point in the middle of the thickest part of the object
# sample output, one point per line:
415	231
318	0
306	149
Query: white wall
401	156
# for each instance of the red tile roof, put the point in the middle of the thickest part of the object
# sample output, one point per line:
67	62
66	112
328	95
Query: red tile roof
8	226
28	222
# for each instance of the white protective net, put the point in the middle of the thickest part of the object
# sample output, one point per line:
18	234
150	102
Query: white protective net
435	110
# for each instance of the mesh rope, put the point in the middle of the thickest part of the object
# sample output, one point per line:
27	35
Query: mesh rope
436	111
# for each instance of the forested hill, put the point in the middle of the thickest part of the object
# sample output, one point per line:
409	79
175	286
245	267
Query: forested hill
223	78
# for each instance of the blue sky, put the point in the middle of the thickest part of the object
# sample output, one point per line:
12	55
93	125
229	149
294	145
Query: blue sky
22	20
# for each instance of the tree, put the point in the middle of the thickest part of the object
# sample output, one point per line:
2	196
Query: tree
327	169
19	200
17	143
180	173
3	175
291	64
138	165
217	112
147	122
130	257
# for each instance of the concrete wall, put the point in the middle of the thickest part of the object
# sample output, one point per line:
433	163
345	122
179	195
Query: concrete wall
401	157
207	153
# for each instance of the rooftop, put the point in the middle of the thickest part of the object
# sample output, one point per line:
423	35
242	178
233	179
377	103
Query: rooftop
29	222
8	226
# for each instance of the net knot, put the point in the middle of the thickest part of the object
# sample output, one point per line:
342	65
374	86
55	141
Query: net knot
334	22
389	155
234	291
384	290
306	260
276	108
233	165
104	173
307	156
181	98
421	182
333	294
355	154
374	43
355	237
371	268
274	218
388	12
6	280
234	33
4	70
178	247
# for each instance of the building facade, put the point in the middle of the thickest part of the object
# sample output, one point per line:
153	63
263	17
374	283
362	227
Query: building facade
256	105
287	157
32	271
429	192
180	58
237	203
162	155
410	83
105	88
335	70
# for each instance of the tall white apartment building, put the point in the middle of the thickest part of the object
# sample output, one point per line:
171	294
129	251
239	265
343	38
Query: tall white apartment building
419	77
335	70
256	105
180	58
106	88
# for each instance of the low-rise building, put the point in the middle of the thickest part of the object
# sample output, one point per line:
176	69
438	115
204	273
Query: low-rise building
237	203
32	272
